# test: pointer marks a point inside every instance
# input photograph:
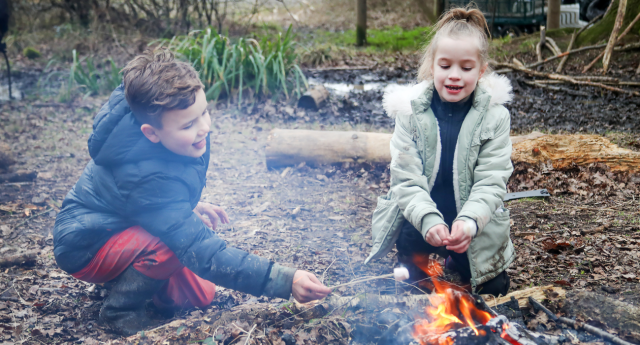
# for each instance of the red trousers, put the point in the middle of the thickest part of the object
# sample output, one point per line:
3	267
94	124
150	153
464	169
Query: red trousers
151	257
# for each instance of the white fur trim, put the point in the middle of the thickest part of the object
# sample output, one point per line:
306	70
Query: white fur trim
499	87
456	185
437	162
397	98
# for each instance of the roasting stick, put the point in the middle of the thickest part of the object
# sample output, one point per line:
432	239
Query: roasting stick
593	330
399	274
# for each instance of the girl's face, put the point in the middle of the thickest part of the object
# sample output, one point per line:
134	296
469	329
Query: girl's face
456	68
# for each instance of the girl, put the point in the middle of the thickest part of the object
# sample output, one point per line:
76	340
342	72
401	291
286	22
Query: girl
451	159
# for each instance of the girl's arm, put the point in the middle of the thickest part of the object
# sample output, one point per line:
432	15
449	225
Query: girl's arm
493	169
408	184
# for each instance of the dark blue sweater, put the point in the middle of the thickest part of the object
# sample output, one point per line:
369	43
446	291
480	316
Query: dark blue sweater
450	117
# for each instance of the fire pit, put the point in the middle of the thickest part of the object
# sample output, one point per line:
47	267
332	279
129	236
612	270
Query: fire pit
454	316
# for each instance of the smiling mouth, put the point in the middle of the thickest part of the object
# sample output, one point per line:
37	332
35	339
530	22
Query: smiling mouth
454	88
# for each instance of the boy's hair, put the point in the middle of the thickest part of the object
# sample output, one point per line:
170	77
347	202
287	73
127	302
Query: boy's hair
456	23
155	82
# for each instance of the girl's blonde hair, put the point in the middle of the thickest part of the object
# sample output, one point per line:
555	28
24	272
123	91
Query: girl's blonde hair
456	23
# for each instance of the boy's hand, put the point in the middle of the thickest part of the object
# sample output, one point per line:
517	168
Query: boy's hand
437	236
306	287
460	238
214	213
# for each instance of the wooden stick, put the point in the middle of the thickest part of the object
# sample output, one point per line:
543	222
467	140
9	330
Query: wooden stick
384	276
593	330
569	79
551	44
613	39
541	44
624	33
22	259
566	56
556	88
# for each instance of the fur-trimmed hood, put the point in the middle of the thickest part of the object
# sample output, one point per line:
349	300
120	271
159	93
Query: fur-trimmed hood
397	99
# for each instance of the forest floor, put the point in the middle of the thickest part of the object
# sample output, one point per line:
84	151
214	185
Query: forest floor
586	236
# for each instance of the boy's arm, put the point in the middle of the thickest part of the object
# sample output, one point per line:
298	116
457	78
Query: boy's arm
408	182
161	206
490	176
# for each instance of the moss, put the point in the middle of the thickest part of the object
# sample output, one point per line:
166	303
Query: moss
601	30
31	53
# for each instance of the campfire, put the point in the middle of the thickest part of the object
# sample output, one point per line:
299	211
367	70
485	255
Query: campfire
455	316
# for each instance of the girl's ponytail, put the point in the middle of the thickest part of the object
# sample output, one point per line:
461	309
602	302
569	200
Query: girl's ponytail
457	22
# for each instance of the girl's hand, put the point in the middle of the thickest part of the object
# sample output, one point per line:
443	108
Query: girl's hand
214	214
460	239
437	236
306	287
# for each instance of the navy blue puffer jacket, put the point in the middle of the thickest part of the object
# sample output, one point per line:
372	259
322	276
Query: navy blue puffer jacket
132	181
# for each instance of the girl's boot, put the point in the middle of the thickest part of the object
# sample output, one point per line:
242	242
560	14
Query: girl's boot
123	310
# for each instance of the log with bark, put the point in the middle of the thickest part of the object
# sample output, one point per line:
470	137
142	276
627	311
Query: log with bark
314	98
6	157
287	147
21	259
564	150
19	176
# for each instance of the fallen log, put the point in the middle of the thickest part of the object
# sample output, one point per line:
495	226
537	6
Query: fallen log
6	157
564	150
21	259
289	147
19	176
314	98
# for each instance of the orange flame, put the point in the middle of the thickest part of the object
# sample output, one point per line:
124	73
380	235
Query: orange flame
451	307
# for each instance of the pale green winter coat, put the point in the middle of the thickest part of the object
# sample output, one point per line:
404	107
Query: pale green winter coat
481	168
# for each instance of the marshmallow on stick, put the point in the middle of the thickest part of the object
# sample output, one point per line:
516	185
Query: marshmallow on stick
399	274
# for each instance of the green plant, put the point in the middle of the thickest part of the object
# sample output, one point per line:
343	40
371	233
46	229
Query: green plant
93	80
84	79
245	69
31	53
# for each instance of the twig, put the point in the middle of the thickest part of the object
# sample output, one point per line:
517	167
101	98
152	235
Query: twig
290	14
568	79
613	39
624	33
551	45
566	56
573	40
29	218
556	88
593	330
249	334
541	44
384	276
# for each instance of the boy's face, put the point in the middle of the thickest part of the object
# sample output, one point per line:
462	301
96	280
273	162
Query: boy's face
456	68
184	131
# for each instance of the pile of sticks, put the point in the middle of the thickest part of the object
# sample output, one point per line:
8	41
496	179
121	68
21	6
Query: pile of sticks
551	79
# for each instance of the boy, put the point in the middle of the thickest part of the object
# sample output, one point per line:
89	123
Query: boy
134	216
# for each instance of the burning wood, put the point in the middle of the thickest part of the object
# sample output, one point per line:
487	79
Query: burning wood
454	316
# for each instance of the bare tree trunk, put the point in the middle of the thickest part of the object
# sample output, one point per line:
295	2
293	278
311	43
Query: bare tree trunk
361	22
622	7
553	15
